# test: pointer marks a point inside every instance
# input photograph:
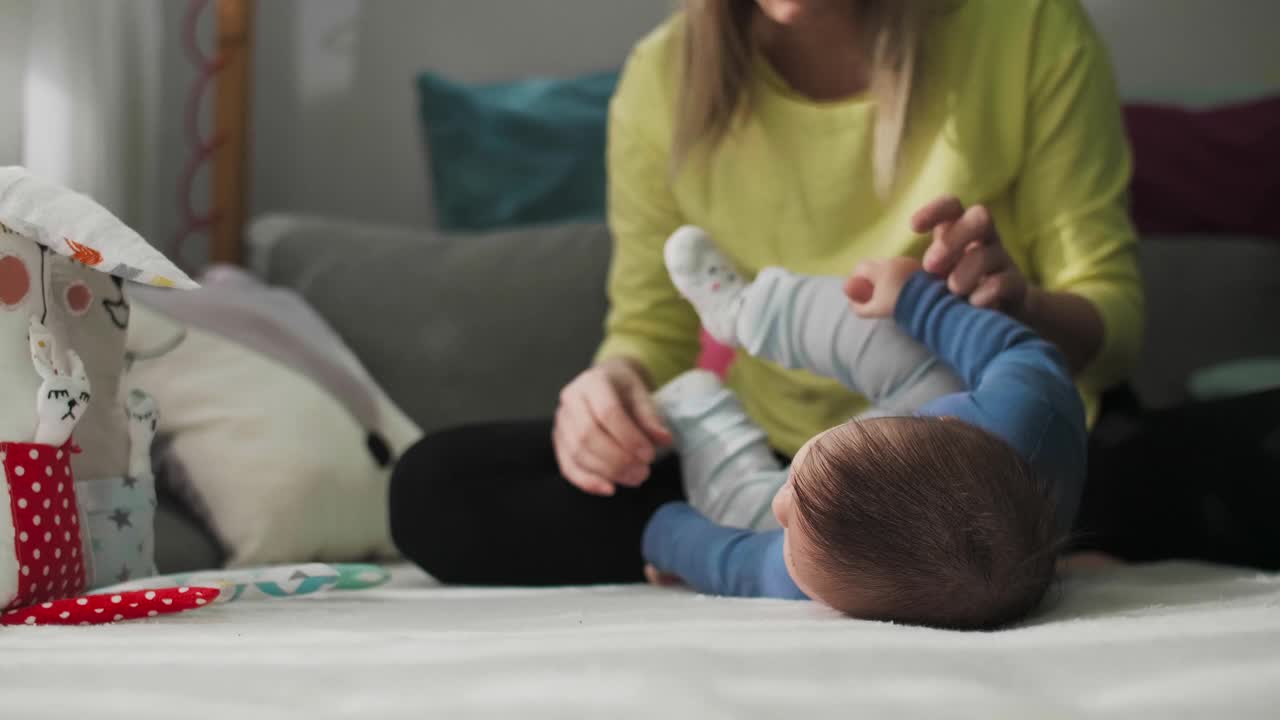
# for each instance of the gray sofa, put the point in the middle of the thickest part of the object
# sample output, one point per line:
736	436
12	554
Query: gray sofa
462	329
457	329
465	329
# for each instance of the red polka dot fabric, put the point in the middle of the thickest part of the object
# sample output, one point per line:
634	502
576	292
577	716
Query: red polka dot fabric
46	522
105	609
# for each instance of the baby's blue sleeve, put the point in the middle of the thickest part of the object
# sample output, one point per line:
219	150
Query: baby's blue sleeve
1020	386
983	346
718	560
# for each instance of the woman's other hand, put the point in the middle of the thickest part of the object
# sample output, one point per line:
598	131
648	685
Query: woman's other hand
967	251
874	286
607	428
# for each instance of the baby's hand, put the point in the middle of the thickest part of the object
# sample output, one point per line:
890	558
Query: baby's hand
874	286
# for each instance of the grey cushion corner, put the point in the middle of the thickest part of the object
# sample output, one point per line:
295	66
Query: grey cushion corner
457	328
183	542
1210	299
266	233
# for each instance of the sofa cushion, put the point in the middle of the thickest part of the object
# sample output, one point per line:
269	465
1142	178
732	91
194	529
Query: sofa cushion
1210	299
456	328
518	153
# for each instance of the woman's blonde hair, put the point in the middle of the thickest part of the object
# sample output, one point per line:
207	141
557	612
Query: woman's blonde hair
717	64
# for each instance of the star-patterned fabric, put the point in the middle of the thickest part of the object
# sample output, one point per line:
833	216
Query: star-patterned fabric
119	517
46	525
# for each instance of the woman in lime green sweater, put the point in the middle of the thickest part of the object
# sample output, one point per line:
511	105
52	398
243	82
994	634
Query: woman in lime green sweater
983	135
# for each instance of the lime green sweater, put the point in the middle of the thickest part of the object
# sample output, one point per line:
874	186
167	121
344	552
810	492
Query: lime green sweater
1015	107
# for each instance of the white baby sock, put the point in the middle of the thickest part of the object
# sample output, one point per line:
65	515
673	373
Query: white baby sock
689	386
706	279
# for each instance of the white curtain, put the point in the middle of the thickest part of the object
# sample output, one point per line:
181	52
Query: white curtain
83	78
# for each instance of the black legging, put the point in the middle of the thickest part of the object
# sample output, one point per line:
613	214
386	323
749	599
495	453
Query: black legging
1199	481
486	505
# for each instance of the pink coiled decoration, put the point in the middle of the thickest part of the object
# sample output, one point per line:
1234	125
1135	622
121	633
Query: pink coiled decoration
202	149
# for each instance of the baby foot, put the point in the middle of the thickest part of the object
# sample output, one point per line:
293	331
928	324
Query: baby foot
707	280
692	384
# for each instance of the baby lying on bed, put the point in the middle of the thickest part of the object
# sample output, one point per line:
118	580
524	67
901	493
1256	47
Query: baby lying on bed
945	506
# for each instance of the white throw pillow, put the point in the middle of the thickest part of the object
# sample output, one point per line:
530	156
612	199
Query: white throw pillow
277	465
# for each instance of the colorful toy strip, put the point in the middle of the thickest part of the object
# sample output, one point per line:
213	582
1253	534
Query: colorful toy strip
106	608
170	594
275	581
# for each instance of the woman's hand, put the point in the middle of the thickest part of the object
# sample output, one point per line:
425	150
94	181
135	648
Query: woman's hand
607	428
874	286
967	251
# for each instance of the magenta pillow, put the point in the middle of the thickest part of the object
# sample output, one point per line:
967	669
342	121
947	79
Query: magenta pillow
1206	171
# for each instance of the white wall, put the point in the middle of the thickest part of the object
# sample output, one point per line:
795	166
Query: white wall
335	118
335	107
1195	51
13	52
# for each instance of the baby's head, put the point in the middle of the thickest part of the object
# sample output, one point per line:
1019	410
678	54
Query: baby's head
920	520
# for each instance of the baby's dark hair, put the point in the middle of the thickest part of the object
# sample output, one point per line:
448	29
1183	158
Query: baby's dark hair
927	521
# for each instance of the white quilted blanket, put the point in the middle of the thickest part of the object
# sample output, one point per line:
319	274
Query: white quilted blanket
1164	641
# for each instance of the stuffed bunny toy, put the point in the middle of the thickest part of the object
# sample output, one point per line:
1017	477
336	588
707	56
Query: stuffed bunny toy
47	560
63	396
119	512
64	265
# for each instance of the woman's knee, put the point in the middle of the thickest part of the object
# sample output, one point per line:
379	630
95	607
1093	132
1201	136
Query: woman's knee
426	502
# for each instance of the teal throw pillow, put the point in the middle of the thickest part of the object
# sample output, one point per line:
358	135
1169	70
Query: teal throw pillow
518	153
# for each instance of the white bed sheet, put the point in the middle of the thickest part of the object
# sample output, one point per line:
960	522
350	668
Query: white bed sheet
1162	641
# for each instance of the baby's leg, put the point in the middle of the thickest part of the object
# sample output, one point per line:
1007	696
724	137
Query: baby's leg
730	472
804	321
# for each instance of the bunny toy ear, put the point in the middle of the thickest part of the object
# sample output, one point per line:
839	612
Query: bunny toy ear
77	367
35	327
41	349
